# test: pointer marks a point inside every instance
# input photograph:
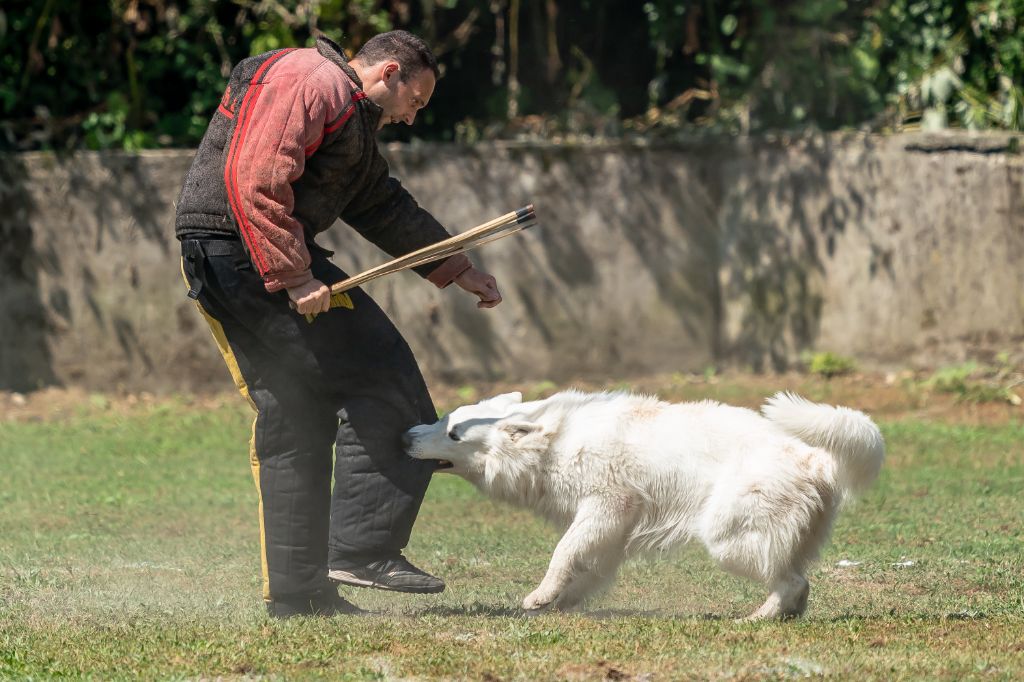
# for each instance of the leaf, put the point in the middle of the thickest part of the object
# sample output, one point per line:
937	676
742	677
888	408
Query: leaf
729	23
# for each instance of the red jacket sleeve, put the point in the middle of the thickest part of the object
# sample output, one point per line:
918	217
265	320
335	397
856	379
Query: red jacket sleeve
283	116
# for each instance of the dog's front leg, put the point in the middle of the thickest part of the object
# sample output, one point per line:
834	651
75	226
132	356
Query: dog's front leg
598	528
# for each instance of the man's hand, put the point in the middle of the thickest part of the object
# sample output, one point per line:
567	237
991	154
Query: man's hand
311	298
483	285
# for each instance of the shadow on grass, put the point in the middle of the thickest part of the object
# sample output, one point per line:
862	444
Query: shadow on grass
492	611
608	614
476	609
904	616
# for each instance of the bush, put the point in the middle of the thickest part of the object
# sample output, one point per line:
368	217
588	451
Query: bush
559	68
976	383
828	364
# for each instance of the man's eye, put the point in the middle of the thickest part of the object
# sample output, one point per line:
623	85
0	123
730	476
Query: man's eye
453	435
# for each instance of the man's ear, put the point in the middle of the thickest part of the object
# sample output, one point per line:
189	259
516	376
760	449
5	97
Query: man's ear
390	70
517	431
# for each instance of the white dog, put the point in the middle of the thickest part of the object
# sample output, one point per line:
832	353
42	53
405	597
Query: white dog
625	473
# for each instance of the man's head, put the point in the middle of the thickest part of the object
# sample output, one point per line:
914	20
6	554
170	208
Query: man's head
399	72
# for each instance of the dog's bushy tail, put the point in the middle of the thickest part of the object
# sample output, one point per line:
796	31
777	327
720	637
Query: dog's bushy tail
850	436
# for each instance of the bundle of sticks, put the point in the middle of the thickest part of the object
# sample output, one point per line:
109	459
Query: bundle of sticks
500	227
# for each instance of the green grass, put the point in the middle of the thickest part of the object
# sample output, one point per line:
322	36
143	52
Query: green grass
129	548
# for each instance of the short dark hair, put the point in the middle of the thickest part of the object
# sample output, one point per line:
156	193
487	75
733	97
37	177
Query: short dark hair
411	53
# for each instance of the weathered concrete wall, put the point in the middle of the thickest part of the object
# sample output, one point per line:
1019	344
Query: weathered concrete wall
620	277
898	251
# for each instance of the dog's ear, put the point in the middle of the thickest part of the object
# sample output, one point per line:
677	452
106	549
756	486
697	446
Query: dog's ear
506	399
517	431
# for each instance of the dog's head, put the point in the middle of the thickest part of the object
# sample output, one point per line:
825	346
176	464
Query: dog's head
464	439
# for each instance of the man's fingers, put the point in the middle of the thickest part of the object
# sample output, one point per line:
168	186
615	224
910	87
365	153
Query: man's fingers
483	285
490	296
315	303
311	298
489	289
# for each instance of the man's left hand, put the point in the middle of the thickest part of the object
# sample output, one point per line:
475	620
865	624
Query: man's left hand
482	284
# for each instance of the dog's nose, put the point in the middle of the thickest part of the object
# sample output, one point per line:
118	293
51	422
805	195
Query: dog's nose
407	440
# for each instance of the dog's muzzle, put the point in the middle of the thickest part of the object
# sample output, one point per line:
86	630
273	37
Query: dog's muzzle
408	441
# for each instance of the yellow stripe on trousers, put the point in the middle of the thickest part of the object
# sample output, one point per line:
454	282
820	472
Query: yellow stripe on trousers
236	375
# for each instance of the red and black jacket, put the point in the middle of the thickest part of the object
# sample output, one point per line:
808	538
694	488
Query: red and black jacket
291	148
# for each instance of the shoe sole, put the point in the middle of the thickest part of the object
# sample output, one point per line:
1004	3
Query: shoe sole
347	578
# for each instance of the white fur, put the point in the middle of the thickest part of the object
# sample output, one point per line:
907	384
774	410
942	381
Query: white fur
624	473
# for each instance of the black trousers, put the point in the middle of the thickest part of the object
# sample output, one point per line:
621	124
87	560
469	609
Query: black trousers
345	384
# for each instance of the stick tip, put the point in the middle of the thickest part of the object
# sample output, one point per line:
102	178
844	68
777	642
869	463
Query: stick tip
525	213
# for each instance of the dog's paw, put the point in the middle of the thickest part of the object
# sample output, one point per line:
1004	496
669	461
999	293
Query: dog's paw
537	600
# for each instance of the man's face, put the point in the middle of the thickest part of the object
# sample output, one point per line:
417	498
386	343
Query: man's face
401	100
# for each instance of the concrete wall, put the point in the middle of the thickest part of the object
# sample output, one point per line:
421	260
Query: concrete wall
899	251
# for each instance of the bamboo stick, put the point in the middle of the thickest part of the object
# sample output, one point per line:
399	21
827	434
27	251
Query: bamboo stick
501	220
492	230
473	245
438	250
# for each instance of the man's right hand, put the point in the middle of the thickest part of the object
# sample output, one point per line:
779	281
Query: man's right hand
311	298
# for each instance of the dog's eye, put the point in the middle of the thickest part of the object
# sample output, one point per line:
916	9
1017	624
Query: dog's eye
454	436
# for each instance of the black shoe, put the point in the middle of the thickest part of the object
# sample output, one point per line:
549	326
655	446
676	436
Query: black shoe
391	573
326	602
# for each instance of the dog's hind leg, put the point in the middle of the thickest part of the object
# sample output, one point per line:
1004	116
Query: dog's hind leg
770	531
594	540
788	599
788	595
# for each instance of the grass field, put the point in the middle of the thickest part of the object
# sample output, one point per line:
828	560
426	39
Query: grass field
129	549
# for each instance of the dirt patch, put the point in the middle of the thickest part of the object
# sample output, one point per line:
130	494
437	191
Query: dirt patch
62	404
887	397
602	670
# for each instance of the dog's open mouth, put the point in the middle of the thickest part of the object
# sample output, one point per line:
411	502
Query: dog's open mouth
444	464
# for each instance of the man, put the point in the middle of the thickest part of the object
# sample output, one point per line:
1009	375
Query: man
290	149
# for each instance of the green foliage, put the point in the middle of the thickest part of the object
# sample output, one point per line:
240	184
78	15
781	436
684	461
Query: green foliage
143	73
828	365
832	63
978	383
952	379
542	389
951	63
467	394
